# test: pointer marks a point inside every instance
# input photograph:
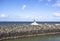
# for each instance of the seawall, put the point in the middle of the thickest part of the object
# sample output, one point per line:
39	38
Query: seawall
23	30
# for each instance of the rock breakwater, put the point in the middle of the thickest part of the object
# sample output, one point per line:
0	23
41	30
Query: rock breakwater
23	29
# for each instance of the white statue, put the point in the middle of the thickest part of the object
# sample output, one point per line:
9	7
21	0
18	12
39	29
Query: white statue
34	23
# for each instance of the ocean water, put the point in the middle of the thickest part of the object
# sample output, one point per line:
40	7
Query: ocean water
5	23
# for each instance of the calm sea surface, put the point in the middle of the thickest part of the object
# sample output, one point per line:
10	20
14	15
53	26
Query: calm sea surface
5	23
38	38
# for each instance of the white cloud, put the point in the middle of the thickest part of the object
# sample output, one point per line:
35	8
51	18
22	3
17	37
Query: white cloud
57	14
23	7
57	4
3	16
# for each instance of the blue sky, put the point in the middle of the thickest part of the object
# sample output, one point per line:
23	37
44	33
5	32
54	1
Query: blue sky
27	10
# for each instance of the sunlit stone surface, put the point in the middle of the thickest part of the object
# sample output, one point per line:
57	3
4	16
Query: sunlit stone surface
23	29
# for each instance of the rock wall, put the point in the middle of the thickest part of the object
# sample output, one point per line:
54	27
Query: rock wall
20	30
